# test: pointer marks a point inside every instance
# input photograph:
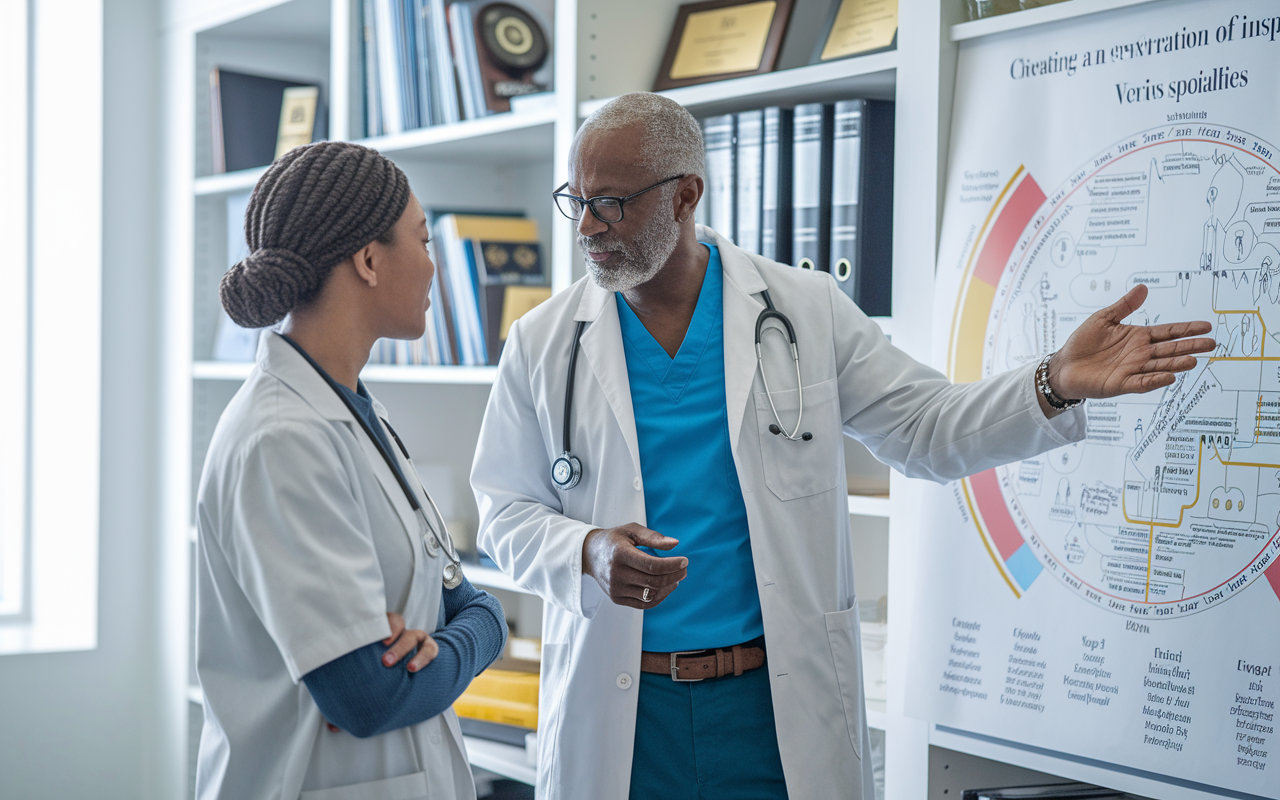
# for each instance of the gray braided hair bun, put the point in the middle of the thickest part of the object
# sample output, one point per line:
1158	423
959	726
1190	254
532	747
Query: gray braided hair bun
312	209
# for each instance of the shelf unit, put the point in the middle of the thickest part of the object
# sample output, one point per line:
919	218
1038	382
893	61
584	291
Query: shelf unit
602	48
1036	16
374	373
506	760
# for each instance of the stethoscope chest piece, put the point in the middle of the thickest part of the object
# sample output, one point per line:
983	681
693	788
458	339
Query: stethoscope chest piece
566	471
433	545
452	575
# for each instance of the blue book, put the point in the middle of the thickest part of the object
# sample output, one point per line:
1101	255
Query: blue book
474	265
372	104
422	57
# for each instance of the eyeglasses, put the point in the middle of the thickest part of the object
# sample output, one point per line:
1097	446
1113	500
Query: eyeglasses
605	209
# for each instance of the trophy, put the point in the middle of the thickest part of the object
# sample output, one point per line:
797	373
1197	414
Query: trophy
512	47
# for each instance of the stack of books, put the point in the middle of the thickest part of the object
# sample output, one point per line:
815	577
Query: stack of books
501	704
435	62
810	186
489	272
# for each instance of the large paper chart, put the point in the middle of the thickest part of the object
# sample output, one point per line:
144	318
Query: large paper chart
1170	505
1117	600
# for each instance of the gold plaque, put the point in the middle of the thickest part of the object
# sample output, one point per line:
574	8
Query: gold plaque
724	40
717	39
859	26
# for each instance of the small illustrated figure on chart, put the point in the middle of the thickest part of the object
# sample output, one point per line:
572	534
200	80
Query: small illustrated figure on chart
1075	545
1210	244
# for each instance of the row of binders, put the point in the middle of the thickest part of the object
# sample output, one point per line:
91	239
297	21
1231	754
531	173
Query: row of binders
435	62
489	272
810	186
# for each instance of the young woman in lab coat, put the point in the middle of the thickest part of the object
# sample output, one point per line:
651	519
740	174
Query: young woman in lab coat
322	564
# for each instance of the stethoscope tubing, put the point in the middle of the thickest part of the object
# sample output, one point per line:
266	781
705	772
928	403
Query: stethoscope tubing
442	539
768	313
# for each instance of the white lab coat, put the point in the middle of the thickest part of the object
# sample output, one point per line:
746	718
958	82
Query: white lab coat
908	415
306	541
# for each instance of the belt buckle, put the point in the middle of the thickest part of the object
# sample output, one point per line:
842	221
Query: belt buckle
675	671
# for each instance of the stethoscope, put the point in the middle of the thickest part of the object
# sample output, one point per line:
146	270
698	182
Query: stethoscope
433	542
566	470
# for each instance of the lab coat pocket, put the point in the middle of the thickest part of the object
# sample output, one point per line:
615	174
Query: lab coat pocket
405	787
842	633
795	469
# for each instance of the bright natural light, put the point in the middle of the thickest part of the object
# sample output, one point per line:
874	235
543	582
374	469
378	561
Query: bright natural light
50	322
14	160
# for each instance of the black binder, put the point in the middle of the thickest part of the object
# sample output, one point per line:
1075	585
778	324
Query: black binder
246	118
813	126
861	249
748	180
719	193
775	210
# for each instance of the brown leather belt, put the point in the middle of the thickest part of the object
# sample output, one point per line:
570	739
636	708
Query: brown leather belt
697	665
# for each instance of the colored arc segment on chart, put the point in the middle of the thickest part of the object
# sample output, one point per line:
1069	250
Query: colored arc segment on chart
1018	565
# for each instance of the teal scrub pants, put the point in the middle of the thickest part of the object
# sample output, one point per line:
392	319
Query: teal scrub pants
710	740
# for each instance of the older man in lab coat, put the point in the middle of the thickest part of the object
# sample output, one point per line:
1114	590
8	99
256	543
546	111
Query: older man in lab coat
701	639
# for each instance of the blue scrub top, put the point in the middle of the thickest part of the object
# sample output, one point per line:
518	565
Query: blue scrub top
691	489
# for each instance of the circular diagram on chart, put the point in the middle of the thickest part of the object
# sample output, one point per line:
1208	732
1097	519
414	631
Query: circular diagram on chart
1171	504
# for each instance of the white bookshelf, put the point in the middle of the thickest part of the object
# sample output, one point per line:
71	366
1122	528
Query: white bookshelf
501	138
1036	16
862	505
373	373
490	578
872	76
602	48
506	760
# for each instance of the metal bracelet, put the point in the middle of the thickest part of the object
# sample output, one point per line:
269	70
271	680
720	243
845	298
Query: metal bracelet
1051	397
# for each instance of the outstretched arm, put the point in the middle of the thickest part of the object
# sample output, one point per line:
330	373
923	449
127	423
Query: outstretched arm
1105	357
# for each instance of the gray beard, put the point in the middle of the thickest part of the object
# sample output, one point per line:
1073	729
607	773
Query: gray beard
638	261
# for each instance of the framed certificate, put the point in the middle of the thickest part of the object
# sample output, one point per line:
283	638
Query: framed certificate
855	27
723	39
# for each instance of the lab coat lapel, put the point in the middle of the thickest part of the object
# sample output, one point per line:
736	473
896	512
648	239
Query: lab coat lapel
741	283
387	479
602	347
277	357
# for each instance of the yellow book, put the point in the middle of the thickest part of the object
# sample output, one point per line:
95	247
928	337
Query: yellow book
501	684
518	301
509	698
495	229
504	712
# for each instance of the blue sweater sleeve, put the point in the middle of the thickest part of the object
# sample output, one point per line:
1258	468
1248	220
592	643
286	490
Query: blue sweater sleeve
359	694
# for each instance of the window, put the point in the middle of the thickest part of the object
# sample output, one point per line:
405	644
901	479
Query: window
50	322
14	162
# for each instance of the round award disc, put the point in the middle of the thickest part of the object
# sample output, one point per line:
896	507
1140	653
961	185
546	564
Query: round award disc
513	37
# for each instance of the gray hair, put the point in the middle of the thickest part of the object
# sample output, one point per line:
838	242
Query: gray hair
672	143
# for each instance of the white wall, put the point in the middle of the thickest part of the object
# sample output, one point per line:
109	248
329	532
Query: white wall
85	724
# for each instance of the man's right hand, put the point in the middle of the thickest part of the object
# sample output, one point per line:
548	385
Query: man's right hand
610	555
